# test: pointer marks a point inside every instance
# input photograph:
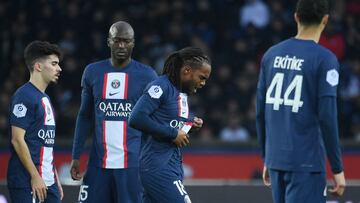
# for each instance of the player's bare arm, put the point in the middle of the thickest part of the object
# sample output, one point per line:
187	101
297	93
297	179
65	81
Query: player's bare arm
61	191
38	186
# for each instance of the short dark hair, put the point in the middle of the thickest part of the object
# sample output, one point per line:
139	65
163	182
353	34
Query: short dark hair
311	12
38	50
191	56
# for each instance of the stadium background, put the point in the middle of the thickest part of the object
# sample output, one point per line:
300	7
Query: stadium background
235	34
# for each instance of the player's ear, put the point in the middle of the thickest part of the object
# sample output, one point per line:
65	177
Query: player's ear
108	42
296	18
186	69
37	67
325	20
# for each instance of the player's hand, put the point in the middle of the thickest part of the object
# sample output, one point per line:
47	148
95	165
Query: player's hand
38	187
197	124
340	184
182	139
61	191
266	177
75	170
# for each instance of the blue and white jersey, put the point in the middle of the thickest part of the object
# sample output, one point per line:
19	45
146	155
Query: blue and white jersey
31	110
108	95
167	110
295	74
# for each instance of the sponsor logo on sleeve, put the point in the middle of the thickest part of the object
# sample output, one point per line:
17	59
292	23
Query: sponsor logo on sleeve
155	91
332	77
19	110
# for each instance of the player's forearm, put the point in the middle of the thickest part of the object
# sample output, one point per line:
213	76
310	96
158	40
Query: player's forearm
82	129
141	121
23	153
83	123
329	127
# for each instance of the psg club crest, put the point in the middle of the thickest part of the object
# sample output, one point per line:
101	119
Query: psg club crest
115	84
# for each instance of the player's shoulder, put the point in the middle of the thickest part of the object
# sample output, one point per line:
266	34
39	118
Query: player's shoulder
326	54
157	87
26	93
142	67
97	64
27	90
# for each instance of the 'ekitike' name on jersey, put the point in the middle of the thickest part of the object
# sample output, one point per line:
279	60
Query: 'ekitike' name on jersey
116	109
289	63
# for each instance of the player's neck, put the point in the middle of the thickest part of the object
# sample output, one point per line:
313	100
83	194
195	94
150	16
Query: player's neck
309	33
38	82
120	64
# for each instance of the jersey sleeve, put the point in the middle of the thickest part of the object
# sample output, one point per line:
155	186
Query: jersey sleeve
83	121
327	111
260	109
21	111
328	76
153	96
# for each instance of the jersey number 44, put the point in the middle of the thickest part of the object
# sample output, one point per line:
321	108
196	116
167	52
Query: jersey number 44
276	99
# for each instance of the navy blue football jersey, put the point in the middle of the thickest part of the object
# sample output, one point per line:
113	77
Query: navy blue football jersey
294	75
109	94
169	111
31	110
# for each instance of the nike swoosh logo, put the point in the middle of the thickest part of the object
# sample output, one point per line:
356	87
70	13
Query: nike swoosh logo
112	94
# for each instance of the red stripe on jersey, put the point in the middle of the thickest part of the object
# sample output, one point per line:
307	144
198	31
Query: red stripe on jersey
104	144
41	160
104	86
126	86
43	104
125	146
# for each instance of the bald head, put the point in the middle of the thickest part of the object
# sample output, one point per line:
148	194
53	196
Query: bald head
121	42
121	28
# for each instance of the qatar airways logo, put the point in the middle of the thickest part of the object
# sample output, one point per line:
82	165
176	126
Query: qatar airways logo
177	124
116	109
47	135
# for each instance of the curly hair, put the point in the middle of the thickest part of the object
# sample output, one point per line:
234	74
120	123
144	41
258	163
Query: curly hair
40	49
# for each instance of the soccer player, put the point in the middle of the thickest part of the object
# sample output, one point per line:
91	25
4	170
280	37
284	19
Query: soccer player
297	114
162	114
32	176
110	89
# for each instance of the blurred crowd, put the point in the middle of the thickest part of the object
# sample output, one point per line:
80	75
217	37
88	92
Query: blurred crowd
234	33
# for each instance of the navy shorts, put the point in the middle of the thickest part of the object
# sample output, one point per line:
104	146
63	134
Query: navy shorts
293	187
110	186
24	195
163	186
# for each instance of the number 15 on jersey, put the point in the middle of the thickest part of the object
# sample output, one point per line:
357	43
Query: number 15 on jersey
277	99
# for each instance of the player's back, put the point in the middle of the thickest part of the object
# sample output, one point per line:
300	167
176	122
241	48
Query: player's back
295	74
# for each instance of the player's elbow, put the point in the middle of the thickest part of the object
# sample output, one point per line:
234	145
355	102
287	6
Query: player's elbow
134	120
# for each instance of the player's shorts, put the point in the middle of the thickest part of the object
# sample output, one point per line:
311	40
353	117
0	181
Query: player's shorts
24	195
293	187
110	186
163	186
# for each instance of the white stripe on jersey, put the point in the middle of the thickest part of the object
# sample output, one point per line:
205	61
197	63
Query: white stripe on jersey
114	142
115	86
183	105
49	114
46	165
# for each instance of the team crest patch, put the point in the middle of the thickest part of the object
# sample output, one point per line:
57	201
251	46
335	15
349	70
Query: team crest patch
155	91
19	110
332	77
115	84
187	199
